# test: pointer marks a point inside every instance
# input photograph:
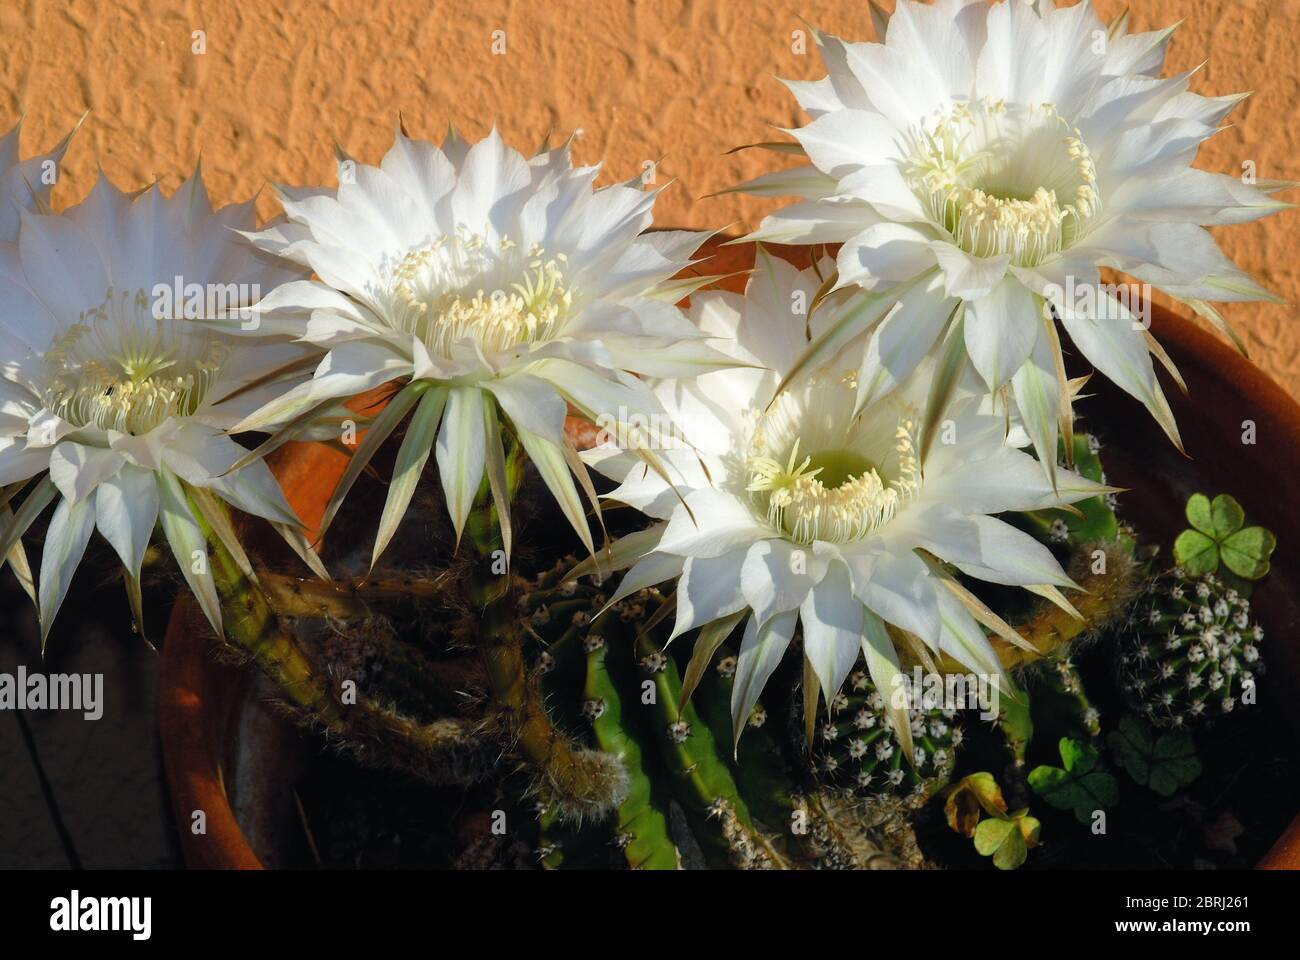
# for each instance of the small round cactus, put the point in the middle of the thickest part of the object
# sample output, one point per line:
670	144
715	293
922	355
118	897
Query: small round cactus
854	744
1192	654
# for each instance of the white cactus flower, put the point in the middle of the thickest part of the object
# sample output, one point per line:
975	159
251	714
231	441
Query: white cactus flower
982	163
113	399
500	288
792	508
24	185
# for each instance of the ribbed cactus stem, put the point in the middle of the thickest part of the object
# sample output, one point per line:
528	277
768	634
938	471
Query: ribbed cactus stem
352	597
579	783
1192	652
443	751
253	628
1063	679
703	782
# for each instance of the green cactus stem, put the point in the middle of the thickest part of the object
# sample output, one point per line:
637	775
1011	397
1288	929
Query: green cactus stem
701	779
641	831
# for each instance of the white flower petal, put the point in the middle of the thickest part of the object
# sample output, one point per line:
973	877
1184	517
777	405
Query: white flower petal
532	404
126	509
1037	394
885	253
1001	330
709	589
65	543
777	576
963	639
902	592
188	545
761	650
709	524
1007	480
833	622
650	570
839	143
461	451
902	340
967	276
1113	342
77	469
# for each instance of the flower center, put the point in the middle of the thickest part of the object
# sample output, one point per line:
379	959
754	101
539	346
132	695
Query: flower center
835	495
122	368
457	289
1014	181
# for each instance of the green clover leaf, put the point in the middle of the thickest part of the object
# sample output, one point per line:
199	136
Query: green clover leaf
1077	787
1218	535
1164	762
1246	552
1007	840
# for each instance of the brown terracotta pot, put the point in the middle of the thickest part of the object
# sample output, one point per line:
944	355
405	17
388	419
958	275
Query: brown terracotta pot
205	705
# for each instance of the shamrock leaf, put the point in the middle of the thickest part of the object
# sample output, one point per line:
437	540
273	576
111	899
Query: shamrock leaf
1196	553
1218	535
1246	552
1007	840
1163	762
970	795
1077	787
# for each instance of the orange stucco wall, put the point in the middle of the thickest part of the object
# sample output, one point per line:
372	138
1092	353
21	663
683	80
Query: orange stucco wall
684	80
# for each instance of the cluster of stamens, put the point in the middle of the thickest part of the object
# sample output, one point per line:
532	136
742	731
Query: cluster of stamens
431	298
805	508
120	368
957	184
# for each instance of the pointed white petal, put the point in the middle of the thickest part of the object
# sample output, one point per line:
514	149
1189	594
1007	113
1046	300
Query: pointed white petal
411	458
886	675
462	451
65	542
1037	395
760	653
126	509
1001	330
778	575
833	624
710	524
708	590
553	466
531	404
188	545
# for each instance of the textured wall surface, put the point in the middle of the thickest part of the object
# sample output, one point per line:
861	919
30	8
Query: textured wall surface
685	80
